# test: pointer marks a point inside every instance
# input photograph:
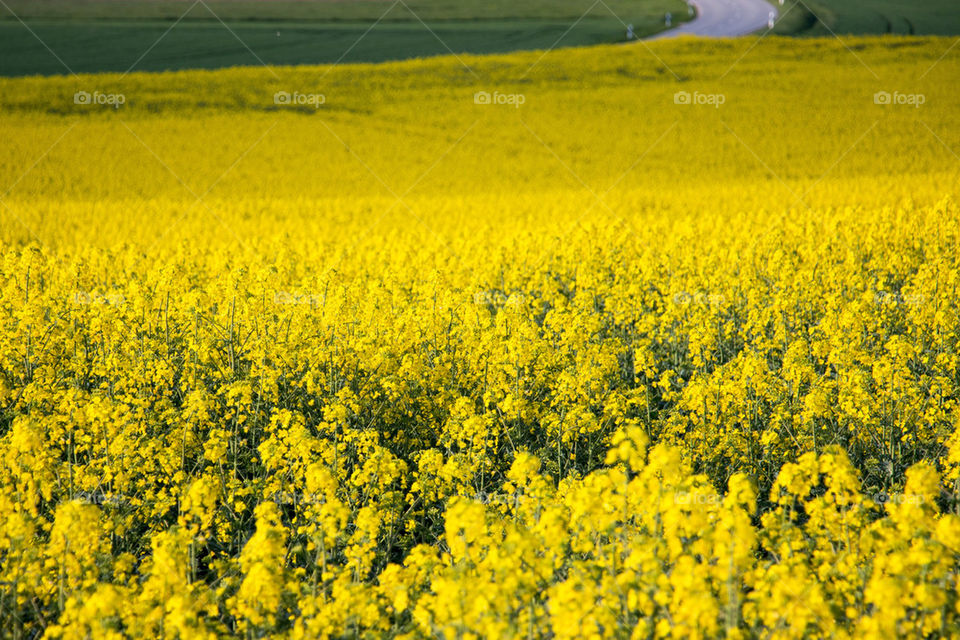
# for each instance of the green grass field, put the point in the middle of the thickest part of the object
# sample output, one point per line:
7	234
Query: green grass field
44	37
841	17
91	36
326	10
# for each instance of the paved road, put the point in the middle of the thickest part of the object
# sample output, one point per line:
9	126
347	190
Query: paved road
724	19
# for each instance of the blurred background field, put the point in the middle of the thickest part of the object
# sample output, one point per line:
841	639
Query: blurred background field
93	35
798	104
904	17
118	35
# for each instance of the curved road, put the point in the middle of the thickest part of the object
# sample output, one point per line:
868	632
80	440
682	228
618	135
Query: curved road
723	19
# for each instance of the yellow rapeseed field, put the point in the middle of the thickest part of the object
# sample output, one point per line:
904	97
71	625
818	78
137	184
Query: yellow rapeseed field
605	343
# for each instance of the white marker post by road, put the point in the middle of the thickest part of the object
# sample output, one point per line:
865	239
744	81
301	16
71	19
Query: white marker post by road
772	20
629	32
